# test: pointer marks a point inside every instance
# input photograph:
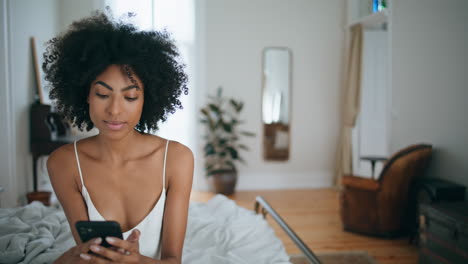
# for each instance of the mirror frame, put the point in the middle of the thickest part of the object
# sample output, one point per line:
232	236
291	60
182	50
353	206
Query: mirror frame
269	152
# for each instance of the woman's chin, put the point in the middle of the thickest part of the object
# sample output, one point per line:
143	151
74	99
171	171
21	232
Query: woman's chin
115	134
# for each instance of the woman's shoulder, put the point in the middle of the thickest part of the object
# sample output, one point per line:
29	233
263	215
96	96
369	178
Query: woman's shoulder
65	156
177	153
61	164
179	158
180	150
66	153
173	146
62	155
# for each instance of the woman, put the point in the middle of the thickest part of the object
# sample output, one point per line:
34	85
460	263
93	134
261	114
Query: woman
109	75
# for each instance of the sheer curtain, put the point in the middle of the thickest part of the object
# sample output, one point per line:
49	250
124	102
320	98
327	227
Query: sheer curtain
177	17
352	93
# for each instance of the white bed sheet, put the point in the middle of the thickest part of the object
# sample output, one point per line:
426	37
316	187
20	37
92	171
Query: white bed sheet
218	232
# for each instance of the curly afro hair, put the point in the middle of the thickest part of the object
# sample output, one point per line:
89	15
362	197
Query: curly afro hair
76	57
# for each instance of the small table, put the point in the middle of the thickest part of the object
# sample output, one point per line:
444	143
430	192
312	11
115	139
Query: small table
373	160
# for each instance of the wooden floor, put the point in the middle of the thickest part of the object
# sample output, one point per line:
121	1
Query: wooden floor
314	215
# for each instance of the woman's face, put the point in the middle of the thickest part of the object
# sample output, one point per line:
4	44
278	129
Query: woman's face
115	102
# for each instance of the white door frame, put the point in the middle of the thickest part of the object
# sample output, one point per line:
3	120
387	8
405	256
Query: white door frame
8	197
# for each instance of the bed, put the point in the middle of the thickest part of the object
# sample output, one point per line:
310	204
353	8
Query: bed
218	232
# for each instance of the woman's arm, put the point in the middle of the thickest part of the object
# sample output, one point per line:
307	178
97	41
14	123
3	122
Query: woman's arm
62	169
179	175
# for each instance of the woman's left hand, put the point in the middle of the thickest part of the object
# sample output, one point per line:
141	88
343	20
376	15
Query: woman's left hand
126	251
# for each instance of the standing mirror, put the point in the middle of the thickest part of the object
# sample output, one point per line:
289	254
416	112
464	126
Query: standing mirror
276	94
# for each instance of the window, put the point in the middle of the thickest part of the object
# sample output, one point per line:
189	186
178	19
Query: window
370	135
177	17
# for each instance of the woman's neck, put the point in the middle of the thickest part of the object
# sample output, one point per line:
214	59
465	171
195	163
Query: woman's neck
119	150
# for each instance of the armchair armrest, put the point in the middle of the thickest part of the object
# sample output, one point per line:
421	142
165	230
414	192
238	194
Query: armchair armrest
360	183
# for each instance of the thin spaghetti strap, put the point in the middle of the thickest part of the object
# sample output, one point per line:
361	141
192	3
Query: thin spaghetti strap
164	166
78	163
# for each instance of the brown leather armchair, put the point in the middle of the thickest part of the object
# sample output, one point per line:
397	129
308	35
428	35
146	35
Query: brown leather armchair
377	207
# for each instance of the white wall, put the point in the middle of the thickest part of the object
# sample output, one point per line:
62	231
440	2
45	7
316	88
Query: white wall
430	77
236	33
26	19
72	10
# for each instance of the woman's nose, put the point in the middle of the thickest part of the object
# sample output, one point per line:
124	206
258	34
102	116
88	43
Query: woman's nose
114	107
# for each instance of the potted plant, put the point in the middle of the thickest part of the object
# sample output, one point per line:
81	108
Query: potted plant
222	141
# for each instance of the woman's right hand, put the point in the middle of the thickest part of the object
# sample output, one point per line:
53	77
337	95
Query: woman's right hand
72	256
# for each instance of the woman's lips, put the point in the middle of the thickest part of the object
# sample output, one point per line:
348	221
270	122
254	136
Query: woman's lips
114	125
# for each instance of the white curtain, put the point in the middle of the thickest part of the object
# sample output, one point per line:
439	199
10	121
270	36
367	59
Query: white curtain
351	103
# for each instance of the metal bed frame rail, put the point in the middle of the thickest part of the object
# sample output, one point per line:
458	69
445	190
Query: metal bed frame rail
266	208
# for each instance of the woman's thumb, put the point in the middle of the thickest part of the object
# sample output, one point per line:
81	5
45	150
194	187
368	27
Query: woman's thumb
134	236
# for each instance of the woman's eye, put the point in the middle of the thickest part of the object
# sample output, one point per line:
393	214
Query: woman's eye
102	95
131	98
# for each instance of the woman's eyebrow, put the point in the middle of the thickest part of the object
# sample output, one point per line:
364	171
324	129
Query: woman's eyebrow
130	87
123	89
104	84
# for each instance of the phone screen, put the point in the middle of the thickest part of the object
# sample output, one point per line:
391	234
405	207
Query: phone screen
93	229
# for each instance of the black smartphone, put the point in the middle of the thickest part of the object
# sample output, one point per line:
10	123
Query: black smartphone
93	229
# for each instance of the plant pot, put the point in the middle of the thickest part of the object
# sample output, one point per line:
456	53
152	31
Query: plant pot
223	182
43	197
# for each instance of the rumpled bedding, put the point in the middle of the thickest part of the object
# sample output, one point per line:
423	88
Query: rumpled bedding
33	234
218	232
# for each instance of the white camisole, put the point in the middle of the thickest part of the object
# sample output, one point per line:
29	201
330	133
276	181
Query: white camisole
150	227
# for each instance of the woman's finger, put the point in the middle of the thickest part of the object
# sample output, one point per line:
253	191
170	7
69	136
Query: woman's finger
124	244
84	247
106	253
93	259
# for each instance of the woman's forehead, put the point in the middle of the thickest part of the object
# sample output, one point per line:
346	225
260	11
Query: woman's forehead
116	74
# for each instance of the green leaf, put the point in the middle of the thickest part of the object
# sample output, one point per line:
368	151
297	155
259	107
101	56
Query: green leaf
209	119
222	141
233	152
241	106
227	127
219	123
212	125
248	134
209	149
244	147
204	112
237	105
234	104
230	164
214	108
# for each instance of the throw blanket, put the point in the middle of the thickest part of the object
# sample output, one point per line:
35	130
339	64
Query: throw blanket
218	232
